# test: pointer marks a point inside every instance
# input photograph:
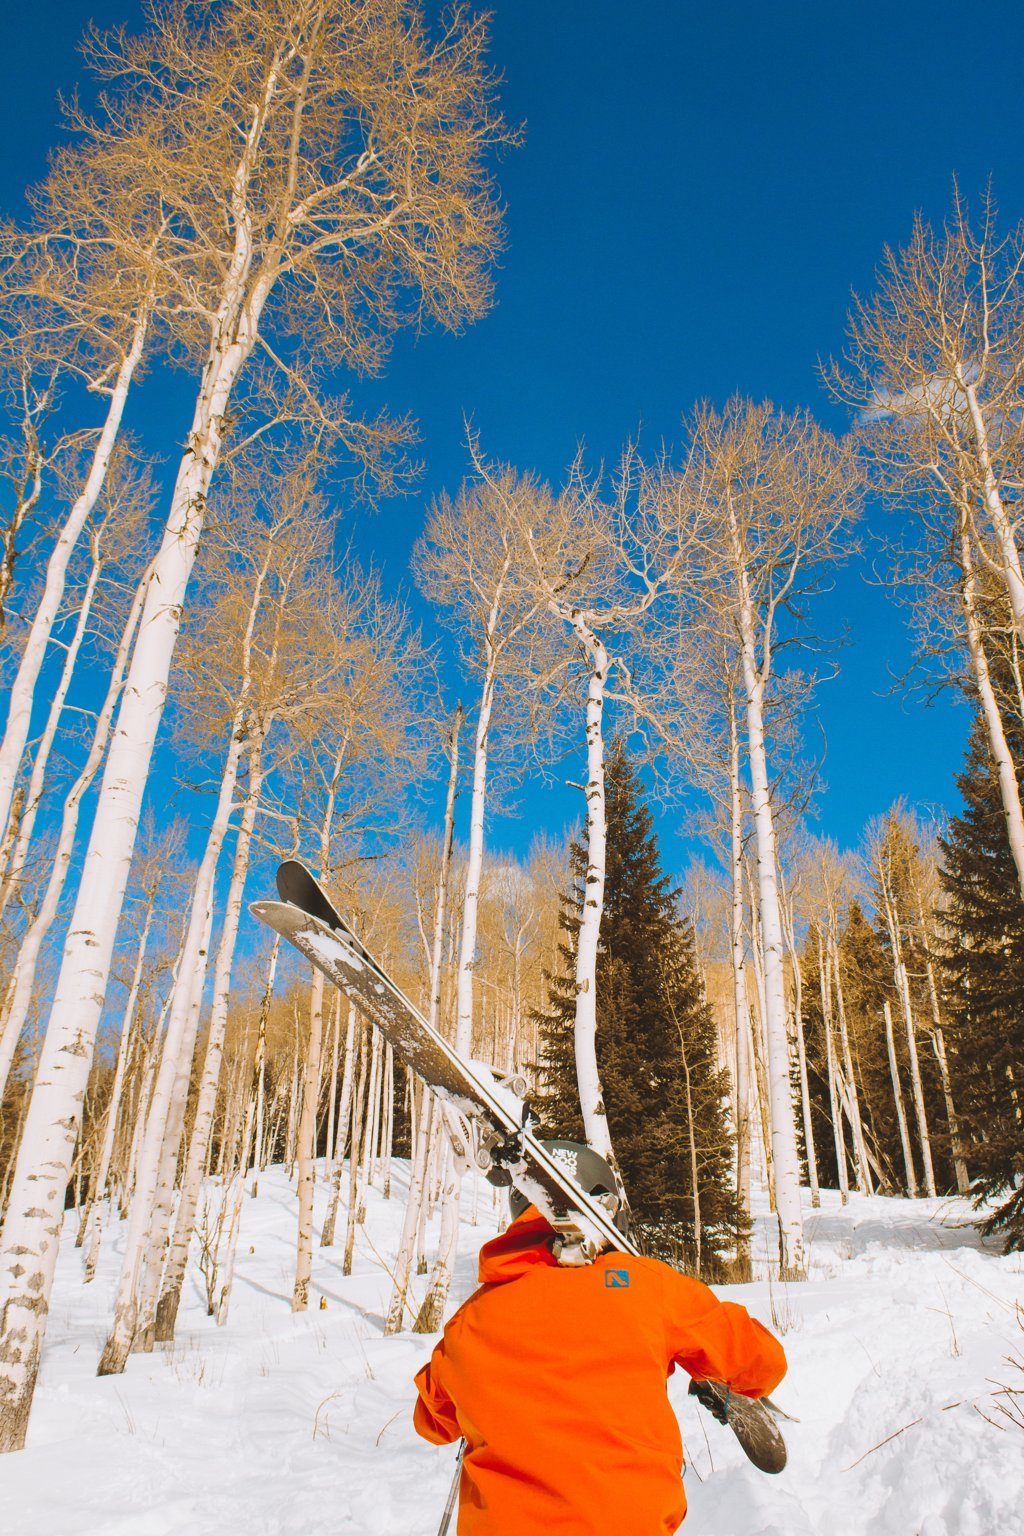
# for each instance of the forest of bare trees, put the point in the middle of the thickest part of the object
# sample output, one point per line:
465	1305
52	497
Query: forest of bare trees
265	194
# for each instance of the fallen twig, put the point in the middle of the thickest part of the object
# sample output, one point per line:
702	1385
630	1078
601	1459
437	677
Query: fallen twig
878	1447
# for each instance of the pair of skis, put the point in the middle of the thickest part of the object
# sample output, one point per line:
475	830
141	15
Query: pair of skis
306	918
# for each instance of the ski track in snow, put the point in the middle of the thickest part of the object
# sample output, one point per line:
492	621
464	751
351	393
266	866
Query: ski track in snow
278	1425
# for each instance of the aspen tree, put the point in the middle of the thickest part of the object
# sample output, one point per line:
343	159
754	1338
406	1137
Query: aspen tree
737	950
307	1120
471	563
936	364
789	929
704	737
23	979
358	1134
758	1032
29	389
370	204
199	1144
272	649
934	369
519	917
344	1119
362	747
246	1151
332	1087
1007	773
150	880
114	537
890	848
151	1206
97	313
925	884
421	1147
388	1128
832	1070
158	1158
897	1091
780	494
599	565
829	877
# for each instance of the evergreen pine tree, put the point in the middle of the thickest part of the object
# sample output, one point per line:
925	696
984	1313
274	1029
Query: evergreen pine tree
664	1092
984	977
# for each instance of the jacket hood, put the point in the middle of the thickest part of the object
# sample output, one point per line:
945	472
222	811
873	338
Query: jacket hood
525	1245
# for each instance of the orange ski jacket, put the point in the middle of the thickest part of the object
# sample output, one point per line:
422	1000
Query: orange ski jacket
555	1377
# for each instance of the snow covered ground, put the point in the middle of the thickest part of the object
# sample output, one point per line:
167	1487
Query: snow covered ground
301	1426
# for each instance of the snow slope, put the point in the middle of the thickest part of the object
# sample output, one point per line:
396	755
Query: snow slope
300	1426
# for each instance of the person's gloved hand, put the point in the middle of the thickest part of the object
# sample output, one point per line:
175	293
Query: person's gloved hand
713	1396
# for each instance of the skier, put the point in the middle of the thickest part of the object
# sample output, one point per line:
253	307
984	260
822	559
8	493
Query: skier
555	1378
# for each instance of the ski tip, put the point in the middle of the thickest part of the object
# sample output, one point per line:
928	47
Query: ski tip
278	915
262	910
288	872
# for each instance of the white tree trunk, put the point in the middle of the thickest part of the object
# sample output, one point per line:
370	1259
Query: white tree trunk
431	1313
19	712
410	1225
293	1108
1002	526
963	1178
360	1117
306	1147
147	1076
117	1088
388	1127
199	1147
177	1048
234	1225
834	1097
344	1116
373	1106
40	763
963	1181
332	1090
785	1161
756	1053
158	1234
801	1051
739	981
440	1280
1006	770
860	1151
897	1092
32	943
916	1083
474	870
418	1170
588	1078
261	1151
902	980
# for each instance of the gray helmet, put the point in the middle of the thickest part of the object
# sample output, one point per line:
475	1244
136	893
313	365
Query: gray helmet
590	1171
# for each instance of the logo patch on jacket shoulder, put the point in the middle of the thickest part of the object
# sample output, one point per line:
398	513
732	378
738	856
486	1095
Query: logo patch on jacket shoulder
616	1279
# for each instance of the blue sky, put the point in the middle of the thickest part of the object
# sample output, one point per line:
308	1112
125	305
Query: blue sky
699	189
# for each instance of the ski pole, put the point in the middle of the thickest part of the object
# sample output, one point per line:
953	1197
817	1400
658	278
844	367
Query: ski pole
453	1493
